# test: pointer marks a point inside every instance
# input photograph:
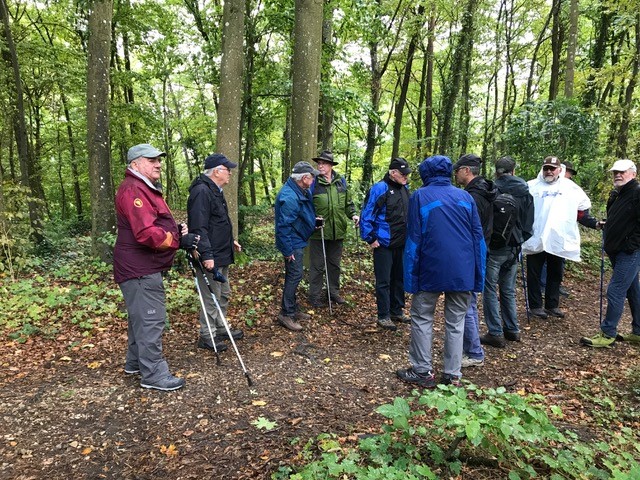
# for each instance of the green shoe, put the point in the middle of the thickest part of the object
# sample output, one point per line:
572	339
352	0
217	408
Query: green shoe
630	337
600	340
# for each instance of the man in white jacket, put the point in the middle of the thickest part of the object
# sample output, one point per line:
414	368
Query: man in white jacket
558	203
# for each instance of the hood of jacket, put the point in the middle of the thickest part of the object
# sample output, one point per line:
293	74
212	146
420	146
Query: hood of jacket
437	168
513	185
483	187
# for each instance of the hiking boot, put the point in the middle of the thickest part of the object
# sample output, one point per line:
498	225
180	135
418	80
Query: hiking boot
207	345
538	312
400	318
302	316
166	384
599	340
387	324
512	336
555	312
629	337
131	371
452	380
425	380
471	362
316	302
564	292
235	334
289	323
493	340
338	299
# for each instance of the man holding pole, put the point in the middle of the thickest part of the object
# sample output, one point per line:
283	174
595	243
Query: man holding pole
333	203
622	244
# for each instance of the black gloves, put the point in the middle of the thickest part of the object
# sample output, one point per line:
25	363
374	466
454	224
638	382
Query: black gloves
189	241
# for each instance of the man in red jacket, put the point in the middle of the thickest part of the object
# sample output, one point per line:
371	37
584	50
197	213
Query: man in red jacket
148	238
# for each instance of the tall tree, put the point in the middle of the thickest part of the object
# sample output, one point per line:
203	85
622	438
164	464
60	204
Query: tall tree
230	106
98	140
571	49
307	53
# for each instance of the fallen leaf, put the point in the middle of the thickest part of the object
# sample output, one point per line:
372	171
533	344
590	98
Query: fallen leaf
326	360
187	433
277	354
87	451
258	403
169	451
94	365
66	359
384	356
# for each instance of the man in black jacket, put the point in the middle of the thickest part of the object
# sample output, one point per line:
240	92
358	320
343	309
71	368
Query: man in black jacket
622	244
208	217
467	173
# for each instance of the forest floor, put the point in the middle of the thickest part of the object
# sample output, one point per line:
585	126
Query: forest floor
69	411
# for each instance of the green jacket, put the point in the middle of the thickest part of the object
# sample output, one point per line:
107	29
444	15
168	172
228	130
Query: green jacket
332	202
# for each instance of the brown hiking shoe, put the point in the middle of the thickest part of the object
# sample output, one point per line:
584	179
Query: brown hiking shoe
302	316
289	323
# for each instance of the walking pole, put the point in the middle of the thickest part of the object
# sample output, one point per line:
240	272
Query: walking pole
224	322
524	286
326	270
204	309
601	272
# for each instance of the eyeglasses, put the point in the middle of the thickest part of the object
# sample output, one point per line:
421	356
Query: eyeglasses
225	168
548	168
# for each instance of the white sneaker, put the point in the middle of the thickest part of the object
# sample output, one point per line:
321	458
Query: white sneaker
471	362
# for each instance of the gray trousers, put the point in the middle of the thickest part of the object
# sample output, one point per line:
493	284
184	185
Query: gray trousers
333	250
423	306
146	310
222	292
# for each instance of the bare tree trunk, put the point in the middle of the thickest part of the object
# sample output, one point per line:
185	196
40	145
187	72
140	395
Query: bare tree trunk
98	141
557	40
598	53
307	49
571	49
428	108
27	167
623	132
326	104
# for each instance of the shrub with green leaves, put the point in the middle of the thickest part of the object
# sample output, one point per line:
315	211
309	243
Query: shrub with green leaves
436	433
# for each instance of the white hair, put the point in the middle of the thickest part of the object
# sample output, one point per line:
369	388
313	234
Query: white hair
299	176
208	171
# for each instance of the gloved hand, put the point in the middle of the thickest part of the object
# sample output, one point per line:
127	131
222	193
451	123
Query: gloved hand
189	241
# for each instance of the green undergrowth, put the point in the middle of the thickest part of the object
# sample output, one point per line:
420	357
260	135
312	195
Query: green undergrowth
453	432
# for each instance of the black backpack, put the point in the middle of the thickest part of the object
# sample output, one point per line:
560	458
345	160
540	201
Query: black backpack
505	221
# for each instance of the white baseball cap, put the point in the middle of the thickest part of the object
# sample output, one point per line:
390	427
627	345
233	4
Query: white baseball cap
623	166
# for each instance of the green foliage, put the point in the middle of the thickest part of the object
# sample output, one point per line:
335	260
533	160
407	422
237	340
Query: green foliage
262	423
434	434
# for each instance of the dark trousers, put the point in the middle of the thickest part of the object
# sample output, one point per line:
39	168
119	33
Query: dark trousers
292	277
387	266
333	249
554	279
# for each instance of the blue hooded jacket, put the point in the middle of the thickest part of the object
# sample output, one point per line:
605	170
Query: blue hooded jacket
295	218
445	249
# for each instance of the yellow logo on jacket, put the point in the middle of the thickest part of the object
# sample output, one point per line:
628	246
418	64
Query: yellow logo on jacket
137	203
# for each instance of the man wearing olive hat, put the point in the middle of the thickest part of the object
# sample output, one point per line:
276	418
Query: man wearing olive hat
622	244
332	202
208	216
383	225
295	221
148	238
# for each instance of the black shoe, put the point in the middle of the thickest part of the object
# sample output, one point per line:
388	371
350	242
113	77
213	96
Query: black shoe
166	384
554	312
425	380
564	292
538	312
493	340
401	318
447	379
206	344
236	334
512	336
316	302
337	299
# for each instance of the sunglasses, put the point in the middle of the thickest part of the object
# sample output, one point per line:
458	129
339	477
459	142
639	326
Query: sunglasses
548	168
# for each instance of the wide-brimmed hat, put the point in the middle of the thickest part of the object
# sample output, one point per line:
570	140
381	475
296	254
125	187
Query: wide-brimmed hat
325	156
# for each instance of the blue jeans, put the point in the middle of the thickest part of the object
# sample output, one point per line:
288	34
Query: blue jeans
624	283
388	269
500	277
292	277
471	342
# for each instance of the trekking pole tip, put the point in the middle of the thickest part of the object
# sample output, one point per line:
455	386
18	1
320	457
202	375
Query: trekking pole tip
249	380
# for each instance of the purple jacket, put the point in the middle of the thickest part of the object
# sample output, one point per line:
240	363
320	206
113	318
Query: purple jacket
147	233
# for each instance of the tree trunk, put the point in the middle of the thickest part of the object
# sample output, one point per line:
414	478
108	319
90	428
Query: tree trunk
571	49
98	141
428	107
534	57
623	132
326	102
598	53
557	40
307	49
27	166
463	49
228	131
